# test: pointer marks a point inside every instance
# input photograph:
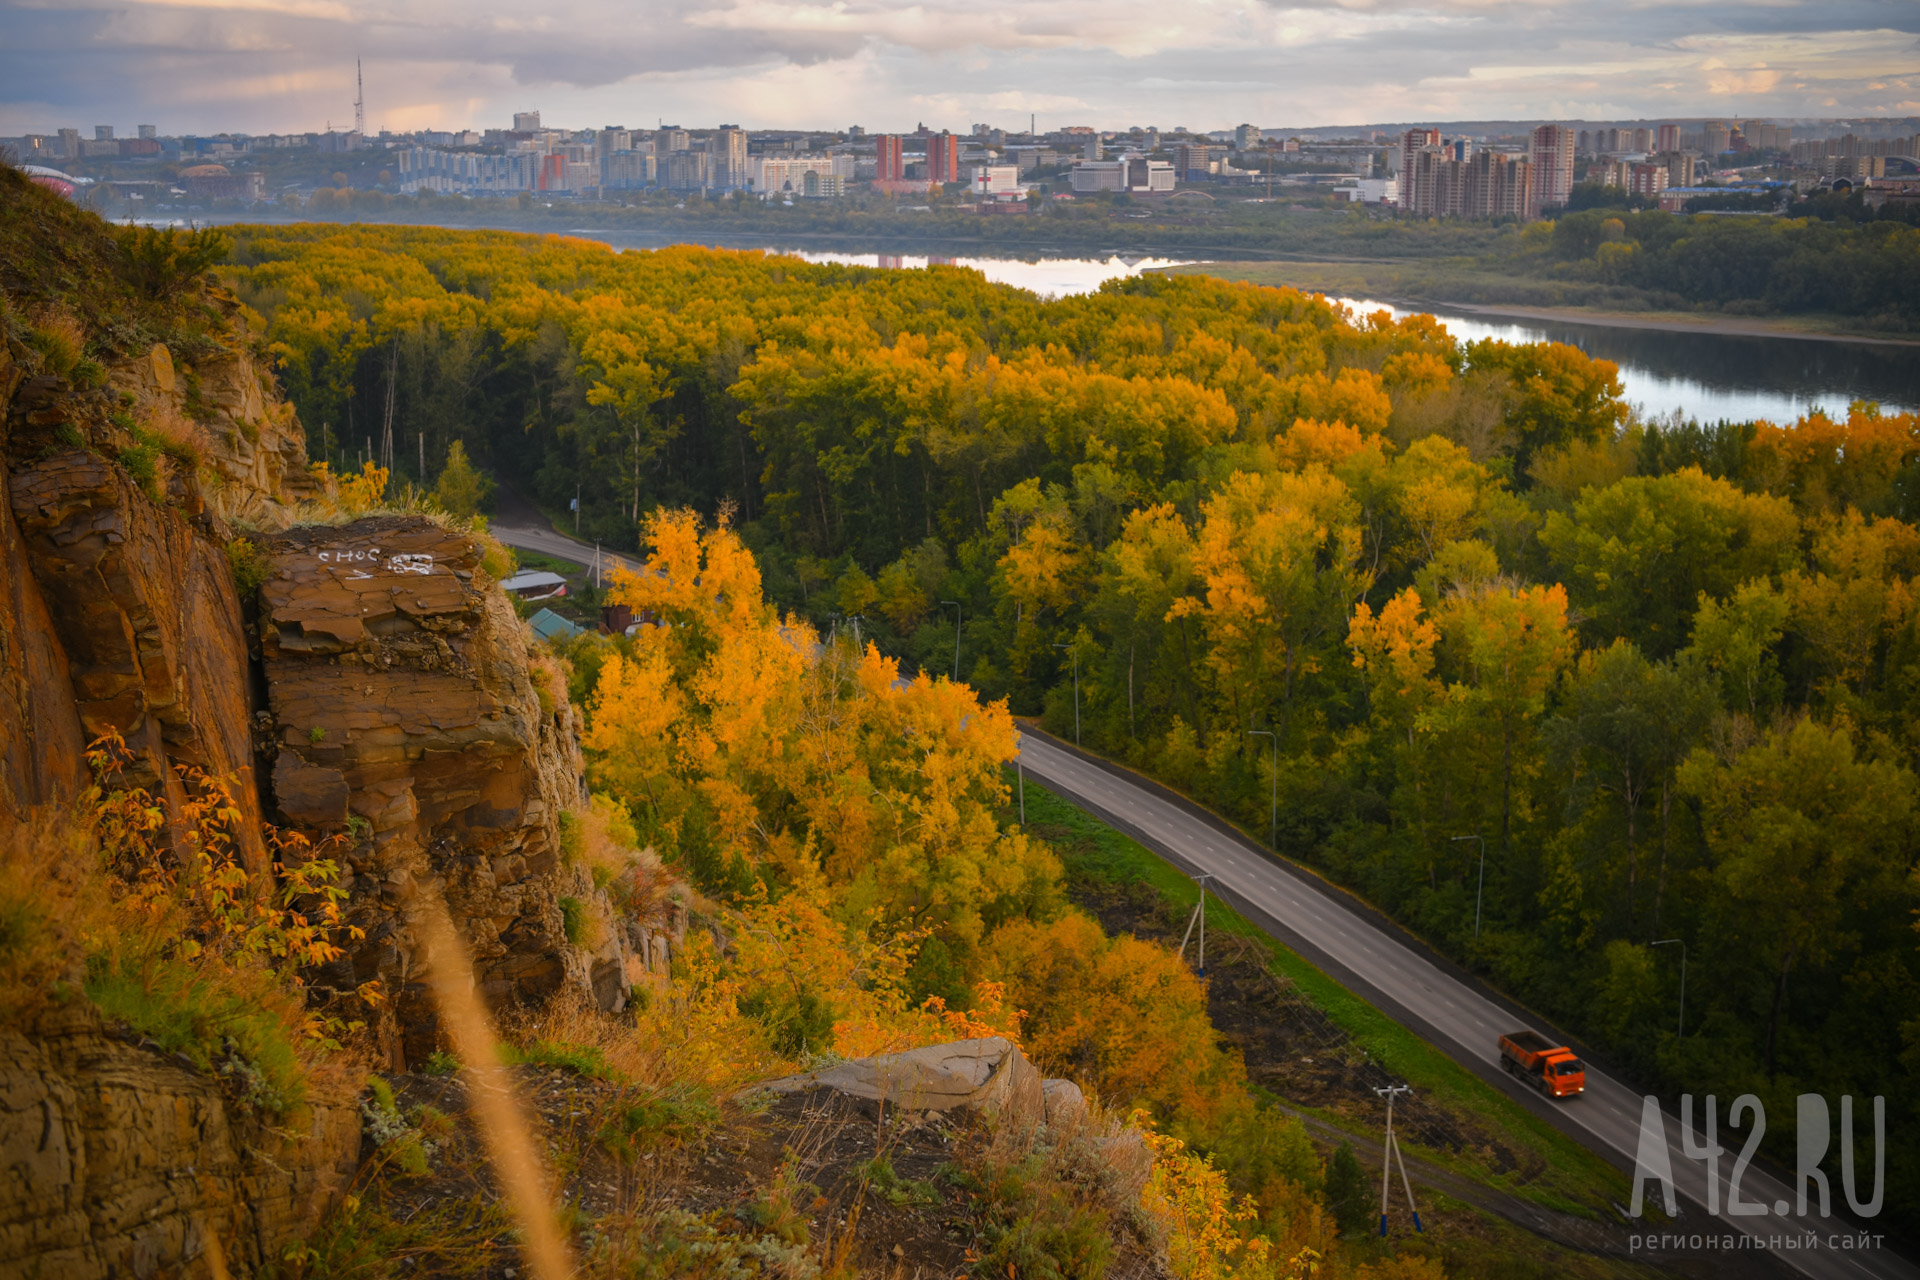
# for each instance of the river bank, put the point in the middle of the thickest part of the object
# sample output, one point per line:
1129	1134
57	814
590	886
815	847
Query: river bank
1351	277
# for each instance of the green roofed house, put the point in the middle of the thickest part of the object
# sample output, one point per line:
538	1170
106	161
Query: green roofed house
549	625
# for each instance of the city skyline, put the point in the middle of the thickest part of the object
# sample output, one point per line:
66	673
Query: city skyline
274	65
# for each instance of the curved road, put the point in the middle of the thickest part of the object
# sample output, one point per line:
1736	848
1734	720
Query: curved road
1368	954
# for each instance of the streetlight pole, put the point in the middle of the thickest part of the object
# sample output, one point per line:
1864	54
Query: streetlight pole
1481	890
1681	1031
1076	689
957	611
1273	806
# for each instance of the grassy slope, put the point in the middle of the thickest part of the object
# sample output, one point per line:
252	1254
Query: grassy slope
1577	1180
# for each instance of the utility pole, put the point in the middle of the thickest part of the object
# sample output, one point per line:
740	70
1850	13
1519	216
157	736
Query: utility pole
576	508
1076	689
1483	879
423	460
958	609
1668	942
1273	819
1020	772
1199	916
1390	1153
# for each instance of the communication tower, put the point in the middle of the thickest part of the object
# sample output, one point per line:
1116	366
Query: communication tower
359	100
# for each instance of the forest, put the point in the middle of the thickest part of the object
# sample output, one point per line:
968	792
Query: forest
1661	674
1831	256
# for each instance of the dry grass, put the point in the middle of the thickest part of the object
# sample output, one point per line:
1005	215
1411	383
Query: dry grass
179	436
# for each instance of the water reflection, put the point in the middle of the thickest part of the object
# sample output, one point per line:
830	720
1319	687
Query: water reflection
1710	376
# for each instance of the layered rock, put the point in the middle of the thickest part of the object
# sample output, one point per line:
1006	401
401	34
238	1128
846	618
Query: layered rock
119	1160
123	610
405	716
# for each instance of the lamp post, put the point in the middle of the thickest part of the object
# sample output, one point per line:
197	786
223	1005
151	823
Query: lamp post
1681	1031
1076	689
1273	807
1478	892
957	611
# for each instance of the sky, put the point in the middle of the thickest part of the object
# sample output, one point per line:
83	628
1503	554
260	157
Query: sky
260	66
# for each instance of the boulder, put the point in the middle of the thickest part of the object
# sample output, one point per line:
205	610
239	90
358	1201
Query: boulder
990	1076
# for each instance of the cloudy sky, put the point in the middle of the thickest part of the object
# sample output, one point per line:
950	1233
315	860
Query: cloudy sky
285	65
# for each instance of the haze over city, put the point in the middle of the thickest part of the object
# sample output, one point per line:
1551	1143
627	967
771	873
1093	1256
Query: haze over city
278	65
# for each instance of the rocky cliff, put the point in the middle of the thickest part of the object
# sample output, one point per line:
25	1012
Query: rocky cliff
376	687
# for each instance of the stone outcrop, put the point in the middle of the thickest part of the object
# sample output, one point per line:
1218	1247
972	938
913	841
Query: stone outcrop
119	1160
404	716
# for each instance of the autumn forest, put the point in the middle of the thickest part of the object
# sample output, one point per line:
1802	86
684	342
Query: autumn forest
1663	673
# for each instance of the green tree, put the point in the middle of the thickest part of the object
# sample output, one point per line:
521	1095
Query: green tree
463	490
1636	555
1801	831
1348	1196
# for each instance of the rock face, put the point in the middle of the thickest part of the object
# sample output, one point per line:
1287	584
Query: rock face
123	610
404	715
251	442
117	1160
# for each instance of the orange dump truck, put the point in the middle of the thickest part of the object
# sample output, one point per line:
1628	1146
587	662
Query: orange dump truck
1551	1068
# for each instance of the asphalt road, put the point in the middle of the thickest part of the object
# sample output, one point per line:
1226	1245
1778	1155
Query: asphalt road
558	545
1368	954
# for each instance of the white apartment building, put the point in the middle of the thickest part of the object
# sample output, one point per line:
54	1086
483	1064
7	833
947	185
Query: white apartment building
994	179
773	175
1134	174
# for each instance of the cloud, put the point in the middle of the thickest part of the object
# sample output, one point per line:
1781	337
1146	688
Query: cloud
279	65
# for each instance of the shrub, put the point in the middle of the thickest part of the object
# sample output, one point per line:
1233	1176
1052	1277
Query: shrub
146	466
641	1125
161	261
250	571
581	1059
573	918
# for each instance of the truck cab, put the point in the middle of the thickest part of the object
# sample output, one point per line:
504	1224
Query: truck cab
1553	1069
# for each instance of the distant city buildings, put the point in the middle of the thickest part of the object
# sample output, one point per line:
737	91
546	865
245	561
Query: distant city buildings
1524	171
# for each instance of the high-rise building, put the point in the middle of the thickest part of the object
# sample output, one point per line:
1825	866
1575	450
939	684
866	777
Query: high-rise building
890	163
1648	179
729	153
70	144
1716	138
526	122
103	133
150	132
1246	137
1551	151
671	139
1419	151
1667	138
943	157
